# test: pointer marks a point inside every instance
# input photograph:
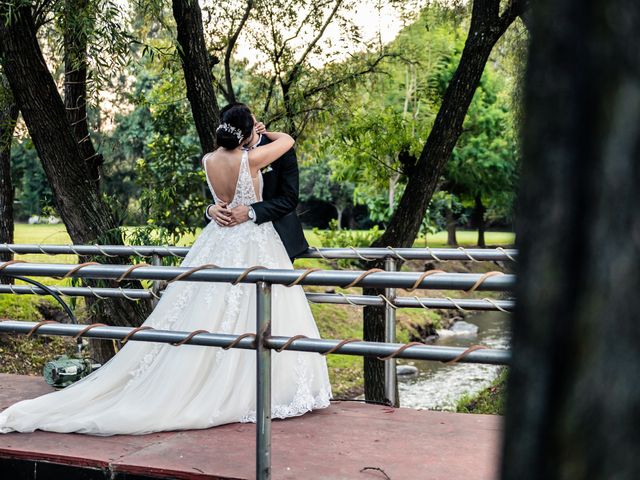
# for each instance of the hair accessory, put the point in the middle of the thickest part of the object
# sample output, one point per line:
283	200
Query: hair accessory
232	130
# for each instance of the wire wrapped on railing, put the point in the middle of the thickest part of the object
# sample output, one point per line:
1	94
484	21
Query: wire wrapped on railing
497	281
339	298
350	346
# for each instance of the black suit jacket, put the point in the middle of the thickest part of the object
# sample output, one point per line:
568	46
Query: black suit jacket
279	201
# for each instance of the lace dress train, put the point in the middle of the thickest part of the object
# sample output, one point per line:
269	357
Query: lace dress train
151	387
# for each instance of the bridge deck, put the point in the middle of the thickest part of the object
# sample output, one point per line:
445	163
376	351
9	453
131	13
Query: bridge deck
334	443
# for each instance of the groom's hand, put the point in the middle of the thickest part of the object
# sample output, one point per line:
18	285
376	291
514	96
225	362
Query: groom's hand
220	214
239	214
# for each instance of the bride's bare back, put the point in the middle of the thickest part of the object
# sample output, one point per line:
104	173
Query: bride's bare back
222	168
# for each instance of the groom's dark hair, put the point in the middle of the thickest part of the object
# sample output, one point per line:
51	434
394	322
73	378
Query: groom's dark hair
234	118
228	107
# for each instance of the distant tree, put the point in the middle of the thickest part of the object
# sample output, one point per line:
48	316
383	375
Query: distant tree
371	152
317	183
483	166
170	176
32	192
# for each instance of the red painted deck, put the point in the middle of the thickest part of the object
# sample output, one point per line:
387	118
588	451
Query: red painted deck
334	443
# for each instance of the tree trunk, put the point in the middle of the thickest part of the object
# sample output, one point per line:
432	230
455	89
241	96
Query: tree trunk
77	22
88	219
340	212
486	28
573	393
197	71
8	117
45	116
478	214
373	330
452	224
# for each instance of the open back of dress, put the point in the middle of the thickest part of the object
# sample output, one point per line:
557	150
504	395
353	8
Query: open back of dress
247	189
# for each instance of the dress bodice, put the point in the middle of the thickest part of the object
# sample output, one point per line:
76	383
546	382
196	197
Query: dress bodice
247	190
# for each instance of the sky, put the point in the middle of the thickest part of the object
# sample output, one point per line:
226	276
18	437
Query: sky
375	18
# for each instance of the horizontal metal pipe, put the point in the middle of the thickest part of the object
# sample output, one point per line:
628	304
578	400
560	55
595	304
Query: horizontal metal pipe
369	349
118	333
445	254
130	293
329	298
440	254
380	349
413	302
108	250
340	278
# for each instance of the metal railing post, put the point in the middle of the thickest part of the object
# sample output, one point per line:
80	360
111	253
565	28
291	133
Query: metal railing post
156	261
390	375
263	373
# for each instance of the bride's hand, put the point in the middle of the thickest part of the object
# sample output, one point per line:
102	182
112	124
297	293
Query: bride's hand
260	128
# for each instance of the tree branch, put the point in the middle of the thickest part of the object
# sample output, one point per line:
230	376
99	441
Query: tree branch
230	94
371	68
267	101
515	8
40	12
298	65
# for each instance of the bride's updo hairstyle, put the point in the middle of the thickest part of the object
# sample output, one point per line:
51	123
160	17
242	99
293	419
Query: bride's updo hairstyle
236	125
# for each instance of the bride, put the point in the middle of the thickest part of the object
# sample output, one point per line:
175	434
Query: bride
151	387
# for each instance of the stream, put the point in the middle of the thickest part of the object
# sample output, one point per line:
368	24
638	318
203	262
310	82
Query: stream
437	386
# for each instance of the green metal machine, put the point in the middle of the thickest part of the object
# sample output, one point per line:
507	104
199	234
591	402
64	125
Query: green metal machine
65	370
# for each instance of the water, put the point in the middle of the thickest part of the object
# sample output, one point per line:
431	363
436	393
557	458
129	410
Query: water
438	386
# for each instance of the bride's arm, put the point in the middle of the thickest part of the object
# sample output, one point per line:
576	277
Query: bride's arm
263	155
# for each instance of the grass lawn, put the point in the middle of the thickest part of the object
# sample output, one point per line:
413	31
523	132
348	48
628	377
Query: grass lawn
57	234
467	238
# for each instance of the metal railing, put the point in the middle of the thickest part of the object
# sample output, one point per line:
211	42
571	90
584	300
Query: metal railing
389	299
261	340
367	254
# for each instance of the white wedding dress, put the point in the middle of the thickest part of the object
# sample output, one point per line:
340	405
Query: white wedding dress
151	387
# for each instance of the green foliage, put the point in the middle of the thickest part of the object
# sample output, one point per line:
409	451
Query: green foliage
336	237
100	23
485	161
127	143
318	183
17	307
490	401
339	238
435	219
375	142
170	176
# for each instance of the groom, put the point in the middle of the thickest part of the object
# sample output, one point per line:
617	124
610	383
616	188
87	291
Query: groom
279	197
